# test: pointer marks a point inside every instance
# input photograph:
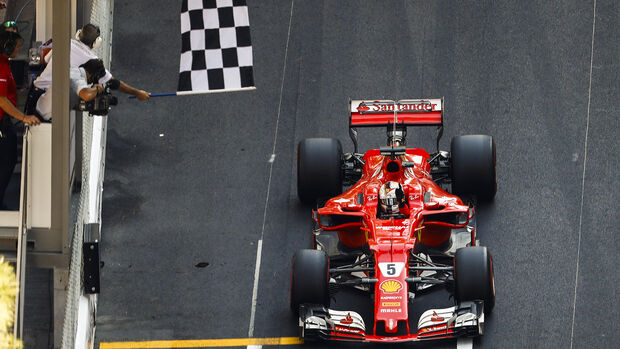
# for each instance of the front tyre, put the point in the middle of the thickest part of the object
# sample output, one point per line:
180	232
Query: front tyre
309	279
473	276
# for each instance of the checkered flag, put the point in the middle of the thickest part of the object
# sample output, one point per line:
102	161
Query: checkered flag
216	51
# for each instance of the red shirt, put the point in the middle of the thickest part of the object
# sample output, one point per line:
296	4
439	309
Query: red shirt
7	83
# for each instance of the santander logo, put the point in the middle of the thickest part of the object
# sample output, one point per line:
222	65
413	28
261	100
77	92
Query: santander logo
362	107
411	107
347	320
436	318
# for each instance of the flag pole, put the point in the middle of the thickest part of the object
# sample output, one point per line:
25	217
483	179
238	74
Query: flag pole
184	93
157	95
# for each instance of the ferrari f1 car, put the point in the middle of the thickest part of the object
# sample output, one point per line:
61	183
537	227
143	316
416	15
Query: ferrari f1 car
404	227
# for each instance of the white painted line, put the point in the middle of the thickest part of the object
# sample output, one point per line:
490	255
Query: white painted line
255	347
271	161
464	343
583	177
259	250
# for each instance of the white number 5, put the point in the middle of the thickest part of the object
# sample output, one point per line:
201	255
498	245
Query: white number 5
391	269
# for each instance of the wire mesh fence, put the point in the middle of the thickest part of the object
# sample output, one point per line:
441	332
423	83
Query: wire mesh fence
93	160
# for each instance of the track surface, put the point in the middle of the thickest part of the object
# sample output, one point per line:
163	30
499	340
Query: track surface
188	179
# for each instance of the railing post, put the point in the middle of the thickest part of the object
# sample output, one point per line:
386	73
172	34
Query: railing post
61	34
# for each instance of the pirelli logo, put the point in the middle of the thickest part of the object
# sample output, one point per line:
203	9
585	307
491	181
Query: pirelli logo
390	304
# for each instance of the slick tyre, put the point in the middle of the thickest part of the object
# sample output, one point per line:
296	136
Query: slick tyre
319	169
473	276
473	166
309	279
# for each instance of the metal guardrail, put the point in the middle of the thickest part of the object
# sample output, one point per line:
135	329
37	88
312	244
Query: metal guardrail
78	327
22	233
89	213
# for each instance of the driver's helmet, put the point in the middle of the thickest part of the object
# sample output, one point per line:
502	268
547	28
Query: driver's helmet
390	196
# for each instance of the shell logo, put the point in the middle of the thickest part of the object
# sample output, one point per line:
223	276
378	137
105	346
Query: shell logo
390	286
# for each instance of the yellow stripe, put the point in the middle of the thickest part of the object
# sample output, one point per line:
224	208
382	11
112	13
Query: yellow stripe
202	343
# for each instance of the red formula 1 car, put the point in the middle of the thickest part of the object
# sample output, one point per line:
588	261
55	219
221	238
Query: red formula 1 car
398	232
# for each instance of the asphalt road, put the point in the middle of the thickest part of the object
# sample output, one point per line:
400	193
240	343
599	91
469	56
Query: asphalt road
189	179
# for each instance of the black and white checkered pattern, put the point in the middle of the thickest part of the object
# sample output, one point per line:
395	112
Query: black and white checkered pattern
216	51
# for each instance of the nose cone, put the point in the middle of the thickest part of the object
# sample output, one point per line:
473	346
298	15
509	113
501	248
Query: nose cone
391	288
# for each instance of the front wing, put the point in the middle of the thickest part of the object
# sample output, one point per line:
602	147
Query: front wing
463	320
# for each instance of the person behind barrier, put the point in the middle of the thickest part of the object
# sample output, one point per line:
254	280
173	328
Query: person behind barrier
86	39
9	26
10	42
85	75
80	79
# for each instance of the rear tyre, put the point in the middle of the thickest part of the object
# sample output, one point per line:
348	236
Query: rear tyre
473	166
309	279
319	169
473	276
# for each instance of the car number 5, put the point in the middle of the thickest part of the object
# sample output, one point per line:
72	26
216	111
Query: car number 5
391	269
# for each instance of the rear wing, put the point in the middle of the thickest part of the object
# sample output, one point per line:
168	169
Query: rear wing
403	113
407	112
